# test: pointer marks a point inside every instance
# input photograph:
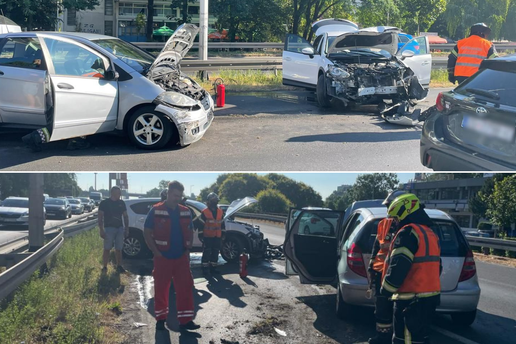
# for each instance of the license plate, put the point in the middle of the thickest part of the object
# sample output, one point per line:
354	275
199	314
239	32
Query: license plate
366	91
489	128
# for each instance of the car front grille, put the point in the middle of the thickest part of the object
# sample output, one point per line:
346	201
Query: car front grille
10	216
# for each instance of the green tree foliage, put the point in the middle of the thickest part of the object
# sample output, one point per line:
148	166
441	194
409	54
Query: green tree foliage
419	15
374	185
502	203
273	201
40	14
379	12
163	184
55	184
300	194
240	185
156	192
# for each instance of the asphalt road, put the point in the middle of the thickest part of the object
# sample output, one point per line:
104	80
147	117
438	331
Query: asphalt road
12	233
275	131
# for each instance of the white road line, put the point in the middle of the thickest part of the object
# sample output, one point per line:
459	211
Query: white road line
452	335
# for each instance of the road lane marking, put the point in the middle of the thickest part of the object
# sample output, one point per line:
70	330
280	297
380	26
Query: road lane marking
452	335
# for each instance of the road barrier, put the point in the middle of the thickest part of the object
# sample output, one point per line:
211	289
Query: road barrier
272	45
266	217
508	245
20	266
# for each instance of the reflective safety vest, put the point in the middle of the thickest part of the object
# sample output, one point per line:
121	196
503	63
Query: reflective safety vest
213	226
384	237
472	51
423	278
163	226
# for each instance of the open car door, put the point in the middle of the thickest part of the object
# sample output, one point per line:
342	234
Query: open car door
311	245
299	69
421	64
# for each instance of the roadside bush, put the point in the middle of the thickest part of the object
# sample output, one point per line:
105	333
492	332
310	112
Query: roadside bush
510	254
67	304
498	252
476	248
273	201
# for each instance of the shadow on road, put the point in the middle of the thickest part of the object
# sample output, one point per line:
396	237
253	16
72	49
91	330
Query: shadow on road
362	319
226	289
358	137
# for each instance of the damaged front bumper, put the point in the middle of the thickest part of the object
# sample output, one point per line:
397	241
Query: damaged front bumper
191	124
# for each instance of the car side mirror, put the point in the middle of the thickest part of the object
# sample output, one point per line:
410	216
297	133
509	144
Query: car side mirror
111	75
308	51
407	53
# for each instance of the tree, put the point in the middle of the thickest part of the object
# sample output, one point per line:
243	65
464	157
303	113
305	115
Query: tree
55	184
379	12
374	185
183	5
273	201
154	192
41	14
163	184
502	203
419	15
141	23
300	194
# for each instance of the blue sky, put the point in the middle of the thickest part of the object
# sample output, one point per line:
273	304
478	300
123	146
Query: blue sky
324	183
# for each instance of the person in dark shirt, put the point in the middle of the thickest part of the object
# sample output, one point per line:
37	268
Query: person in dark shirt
114	226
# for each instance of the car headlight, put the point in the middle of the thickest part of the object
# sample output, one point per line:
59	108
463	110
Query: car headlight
338	73
176	99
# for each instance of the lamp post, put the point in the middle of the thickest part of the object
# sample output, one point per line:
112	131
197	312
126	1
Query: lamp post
203	33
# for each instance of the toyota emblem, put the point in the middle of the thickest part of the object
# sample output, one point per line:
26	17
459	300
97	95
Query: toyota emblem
481	110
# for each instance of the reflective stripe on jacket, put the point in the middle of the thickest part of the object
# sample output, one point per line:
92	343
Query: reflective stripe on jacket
471	52
213	226
163	226
423	278
384	237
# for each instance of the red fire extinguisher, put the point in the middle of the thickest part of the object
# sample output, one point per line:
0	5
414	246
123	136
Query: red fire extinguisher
220	92
244	258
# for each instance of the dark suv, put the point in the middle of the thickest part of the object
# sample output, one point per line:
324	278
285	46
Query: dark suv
473	126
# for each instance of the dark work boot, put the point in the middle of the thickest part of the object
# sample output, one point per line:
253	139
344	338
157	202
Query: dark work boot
189	326
160	325
33	141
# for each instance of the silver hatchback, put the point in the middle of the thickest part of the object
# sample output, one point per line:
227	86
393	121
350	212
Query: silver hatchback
342	259
79	84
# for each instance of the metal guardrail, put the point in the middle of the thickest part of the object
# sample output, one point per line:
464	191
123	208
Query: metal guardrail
20	266
267	217
508	245
22	270
272	45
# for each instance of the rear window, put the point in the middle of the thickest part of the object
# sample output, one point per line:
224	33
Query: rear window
142	208
498	81
453	243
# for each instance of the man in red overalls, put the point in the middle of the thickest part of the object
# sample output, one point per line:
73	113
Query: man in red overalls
168	234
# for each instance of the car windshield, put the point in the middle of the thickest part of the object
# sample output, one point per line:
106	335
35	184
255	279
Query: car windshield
16	203
74	201
84	200
55	201
497	83
133	56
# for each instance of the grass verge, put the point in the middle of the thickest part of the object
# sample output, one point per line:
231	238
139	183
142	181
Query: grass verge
439	78
71	303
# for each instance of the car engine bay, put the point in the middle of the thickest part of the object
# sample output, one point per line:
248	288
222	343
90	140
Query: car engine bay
170	78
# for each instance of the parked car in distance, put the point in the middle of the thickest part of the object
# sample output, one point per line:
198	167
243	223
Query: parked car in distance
92	204
15	211
408	40
77	206
102	84
342	255
96	197
87	203
239	235
58	207
471	128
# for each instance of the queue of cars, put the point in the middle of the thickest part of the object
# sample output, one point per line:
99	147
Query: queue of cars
14	211
324	246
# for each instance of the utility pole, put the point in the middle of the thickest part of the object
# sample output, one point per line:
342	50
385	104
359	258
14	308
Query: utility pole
95	181
150	18
203	33
36	214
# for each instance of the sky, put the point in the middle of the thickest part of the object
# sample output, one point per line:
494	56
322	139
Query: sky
324	183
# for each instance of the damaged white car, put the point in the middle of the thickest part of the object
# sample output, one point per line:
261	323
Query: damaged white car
79	84
359	66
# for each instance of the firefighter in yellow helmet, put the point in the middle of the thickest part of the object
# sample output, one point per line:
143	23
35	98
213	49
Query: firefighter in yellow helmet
383	306
411	276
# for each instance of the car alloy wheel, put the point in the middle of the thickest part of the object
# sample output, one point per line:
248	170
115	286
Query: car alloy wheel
149	129
132	247
231	249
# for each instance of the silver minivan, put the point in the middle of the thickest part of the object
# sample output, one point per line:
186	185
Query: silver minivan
79	84
340	254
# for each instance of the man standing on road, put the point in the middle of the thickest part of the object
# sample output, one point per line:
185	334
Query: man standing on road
112	229
211	233
466	57
383	306
168	233
412	271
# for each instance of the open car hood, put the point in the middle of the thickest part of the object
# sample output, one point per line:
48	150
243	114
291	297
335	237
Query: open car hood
177	46
235	206
378	37
329	26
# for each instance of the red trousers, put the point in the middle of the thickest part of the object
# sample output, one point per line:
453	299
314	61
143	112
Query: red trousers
177	270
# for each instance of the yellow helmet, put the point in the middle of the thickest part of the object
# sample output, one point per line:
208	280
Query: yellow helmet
403	206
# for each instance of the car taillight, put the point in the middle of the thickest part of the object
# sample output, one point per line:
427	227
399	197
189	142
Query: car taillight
439	103
356	260
469	268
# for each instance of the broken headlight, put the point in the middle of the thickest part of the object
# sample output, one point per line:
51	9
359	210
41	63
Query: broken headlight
337	72
176	99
